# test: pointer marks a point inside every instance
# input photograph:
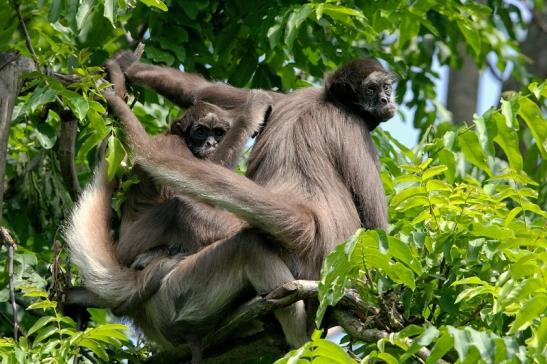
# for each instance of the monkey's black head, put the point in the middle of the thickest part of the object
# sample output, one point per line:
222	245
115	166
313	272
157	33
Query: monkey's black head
202	127
365	87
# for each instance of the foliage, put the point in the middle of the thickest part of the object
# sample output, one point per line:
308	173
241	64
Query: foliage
469	268
53	338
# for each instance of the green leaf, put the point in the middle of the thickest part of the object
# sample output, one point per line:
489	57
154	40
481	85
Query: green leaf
406	194
158	4
274	34
433	171
471	35
77	103
40	323
492	231
409	28
44	333
114	157
534	118
46	135
110	11
55	10
442	346
42	305
511	215
472	150
83	14
531	310
297	17
40	96
402	252
508	140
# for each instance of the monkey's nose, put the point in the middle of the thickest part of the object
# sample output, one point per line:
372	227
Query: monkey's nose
383	100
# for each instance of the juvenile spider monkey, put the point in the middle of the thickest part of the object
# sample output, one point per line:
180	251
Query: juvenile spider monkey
156	221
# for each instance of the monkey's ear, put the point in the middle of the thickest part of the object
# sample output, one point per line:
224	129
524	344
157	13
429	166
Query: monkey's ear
343	91
177	128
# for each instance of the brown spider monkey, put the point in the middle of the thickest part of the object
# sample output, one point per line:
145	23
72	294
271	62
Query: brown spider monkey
156	221
312	180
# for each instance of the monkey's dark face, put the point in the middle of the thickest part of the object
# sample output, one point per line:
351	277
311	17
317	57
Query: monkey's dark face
374	96
365	87
203	135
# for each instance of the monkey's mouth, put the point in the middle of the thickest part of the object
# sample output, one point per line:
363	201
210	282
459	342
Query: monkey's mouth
204	153
387	112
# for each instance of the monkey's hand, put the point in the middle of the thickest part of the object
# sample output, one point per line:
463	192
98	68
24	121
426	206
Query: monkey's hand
117	78
125	59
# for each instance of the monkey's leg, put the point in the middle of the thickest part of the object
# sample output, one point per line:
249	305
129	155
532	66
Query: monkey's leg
288	218
204	284
181	222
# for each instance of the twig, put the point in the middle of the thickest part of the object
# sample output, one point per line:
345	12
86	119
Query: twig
7	239
357	330
142	32
494	72
26	35
474	314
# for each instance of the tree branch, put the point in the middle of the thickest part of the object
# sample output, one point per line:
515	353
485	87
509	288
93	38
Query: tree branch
26	35
67	152
12	66
356	329
8	240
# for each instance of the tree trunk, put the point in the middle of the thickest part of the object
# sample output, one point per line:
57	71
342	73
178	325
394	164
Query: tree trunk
12	66
534	48
463	90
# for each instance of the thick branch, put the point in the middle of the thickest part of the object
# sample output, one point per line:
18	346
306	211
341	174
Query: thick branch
11	69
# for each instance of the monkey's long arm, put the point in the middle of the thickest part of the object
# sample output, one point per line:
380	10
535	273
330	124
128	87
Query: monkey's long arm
184	89
361	175
249	117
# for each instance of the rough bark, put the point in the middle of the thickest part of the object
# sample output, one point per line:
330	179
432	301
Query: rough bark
12	66
463	89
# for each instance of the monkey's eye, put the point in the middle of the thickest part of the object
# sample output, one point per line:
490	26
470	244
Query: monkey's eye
370	91
387	89
219	133
200	133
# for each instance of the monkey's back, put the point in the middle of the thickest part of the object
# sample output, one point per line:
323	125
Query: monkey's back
296	155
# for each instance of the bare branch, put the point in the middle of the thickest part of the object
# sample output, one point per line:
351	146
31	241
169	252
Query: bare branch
26	35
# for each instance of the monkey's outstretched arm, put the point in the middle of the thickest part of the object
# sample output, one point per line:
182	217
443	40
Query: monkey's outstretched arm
184	89
248	119
135	133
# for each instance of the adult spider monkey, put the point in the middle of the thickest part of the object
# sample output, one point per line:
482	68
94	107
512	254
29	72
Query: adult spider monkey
312	180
